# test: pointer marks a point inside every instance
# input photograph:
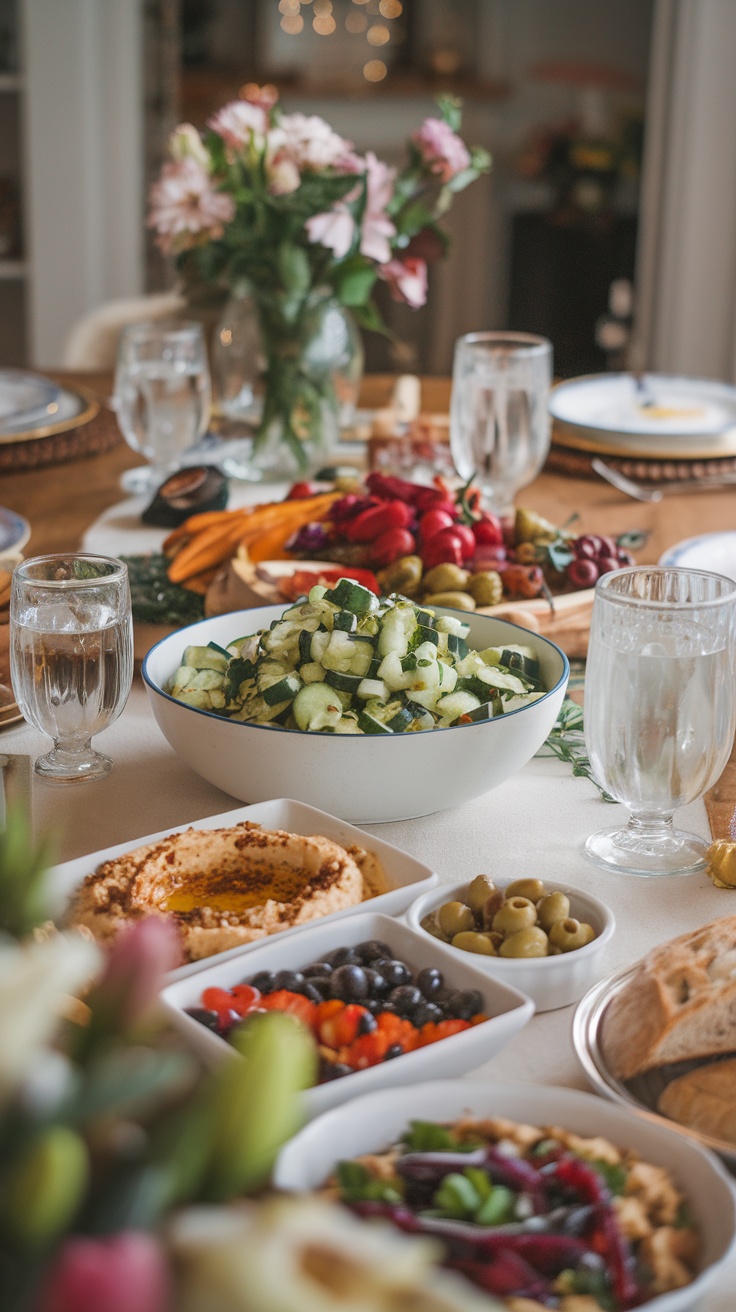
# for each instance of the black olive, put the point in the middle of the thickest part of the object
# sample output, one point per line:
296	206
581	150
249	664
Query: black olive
377	986
372	950
366	1023
205	1017
405	998
334	1070
394	972
317	968
310	990
343	957
263	981
291	980
431	981
323	985
395	1050
463	1003
426	1012
349	983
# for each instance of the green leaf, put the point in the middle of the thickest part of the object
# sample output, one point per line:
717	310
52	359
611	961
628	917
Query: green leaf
450	108
428	1137
127	1083
413	218
23	870
614	1174
369	316
354	281
294	269
457	1196
498	1208
358	1185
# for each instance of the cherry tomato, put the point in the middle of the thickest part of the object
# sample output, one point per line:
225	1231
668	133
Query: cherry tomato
433	522
215	999
370	524
390	546
467	538
445	548
490	557
245	998
368	1050
487	531
294	1004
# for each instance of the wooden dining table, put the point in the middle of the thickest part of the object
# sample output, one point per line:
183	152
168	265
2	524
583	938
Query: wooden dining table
61	501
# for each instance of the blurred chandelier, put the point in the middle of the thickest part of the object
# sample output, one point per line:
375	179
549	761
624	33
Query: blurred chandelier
373	18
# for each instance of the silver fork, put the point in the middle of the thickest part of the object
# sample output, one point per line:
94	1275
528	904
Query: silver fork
641	493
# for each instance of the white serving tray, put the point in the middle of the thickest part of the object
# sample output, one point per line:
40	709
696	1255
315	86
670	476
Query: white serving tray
405	876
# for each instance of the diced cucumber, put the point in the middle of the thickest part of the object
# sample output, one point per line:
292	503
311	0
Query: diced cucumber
181	679
205	658
285	690
451	624
206	679
312	672
456	646
348	724
344	682
316	593
396	632
373	668
421	717
339	652
401	720
349	595
448	676
392	674
456	704
368	723
373	688
423	633
215	647
522	660
196	697
427	618
317	706
345	620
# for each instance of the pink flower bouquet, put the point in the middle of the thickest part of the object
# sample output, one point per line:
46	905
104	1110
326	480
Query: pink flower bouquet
284	202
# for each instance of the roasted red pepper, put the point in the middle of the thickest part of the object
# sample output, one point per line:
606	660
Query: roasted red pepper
390	546
371	523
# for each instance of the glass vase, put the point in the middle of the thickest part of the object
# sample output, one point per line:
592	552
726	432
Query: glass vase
286	382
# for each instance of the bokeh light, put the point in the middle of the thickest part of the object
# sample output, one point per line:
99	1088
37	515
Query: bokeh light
324	24
322	7
292	25
390	8
375	70
289	8
356	22
378	35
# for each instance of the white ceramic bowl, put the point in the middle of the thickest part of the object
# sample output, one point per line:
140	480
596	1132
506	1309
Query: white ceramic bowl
363	778
372	1123
507	1009
550	982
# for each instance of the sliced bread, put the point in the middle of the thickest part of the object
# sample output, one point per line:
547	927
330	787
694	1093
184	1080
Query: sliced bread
679	1004
704	1100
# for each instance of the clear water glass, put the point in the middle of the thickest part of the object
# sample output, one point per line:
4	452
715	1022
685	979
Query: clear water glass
660	708
162	396
71	655
499	416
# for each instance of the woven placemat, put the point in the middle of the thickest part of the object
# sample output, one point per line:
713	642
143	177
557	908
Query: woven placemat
99	432
564	460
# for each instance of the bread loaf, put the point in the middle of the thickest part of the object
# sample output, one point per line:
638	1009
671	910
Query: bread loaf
704	1100
679	1004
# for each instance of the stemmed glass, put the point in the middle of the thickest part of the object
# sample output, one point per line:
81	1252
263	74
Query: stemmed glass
162	396
71	655
660	708
499	417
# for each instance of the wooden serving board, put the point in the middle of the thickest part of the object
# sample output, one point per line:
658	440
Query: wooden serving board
720	800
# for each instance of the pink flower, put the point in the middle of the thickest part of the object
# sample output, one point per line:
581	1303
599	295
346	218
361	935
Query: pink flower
124	1273
441	148
140	957
186	208
185	142
239	124
281	171
377	227
312	143
334	229
407	280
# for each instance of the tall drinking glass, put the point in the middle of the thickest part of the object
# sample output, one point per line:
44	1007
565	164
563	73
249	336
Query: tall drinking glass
162	396
660	708
499	417
71	655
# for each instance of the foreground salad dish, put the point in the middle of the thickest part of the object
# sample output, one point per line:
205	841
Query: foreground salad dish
539	1217
343	661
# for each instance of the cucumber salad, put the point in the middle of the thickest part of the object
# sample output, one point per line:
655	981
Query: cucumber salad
343	661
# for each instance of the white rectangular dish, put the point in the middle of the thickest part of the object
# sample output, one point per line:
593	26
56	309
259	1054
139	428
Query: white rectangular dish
406	877
508	1009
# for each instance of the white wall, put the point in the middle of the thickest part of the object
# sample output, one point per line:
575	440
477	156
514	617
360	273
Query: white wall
83	170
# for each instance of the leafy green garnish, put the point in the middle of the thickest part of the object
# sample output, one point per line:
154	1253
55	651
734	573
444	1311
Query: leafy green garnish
457	1197
614	1175
358	1185
567	743
85	569
155	599
470	1195
428	1137
594	1283
239	669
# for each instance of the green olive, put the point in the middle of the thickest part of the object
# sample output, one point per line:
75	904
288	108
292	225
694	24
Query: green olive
490	907
570	934
403	575
516	913
471	941
531	888
496	939
454	918
455	600
486	588
529	942
479	892
431	925
446	578
555	906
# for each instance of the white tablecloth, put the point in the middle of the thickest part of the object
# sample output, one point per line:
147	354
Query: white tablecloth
535	824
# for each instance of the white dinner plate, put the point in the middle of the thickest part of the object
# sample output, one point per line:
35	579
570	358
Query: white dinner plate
665	406
55	416
14	531
715	552
25	398
405	877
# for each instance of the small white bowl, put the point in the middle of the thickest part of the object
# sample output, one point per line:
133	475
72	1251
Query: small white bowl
550	982
508	1010
366	778
373	1123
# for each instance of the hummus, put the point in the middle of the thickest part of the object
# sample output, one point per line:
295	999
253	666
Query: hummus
223	887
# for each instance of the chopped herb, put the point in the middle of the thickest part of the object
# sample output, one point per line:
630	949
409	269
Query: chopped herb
357	1185
155	599
615	1176
428	1137
85	569
457	1197
567	743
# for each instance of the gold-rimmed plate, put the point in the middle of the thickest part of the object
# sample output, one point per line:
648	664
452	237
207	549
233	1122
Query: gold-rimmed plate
643	1091
75	407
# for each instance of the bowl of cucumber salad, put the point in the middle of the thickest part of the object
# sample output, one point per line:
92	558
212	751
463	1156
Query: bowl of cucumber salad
371	709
